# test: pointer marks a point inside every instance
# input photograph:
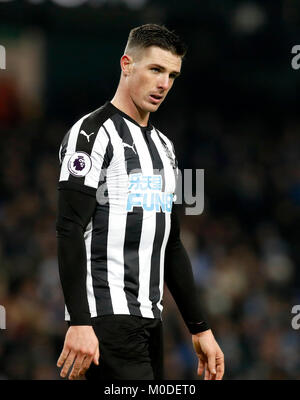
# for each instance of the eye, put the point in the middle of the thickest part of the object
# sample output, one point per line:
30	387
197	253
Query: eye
155	69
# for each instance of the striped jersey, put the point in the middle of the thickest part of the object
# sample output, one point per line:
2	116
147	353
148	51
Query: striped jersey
132	172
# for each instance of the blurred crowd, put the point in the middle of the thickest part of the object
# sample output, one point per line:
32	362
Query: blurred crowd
243	247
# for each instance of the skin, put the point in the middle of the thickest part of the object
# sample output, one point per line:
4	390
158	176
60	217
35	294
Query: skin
143	72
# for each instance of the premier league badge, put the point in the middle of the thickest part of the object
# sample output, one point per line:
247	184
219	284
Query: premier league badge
79	164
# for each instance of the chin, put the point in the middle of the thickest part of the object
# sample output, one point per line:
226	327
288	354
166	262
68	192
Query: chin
148	107
152	107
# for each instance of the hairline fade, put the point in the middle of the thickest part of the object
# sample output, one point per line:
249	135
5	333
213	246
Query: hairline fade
148	35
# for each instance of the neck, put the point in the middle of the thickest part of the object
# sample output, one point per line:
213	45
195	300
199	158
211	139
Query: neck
124	102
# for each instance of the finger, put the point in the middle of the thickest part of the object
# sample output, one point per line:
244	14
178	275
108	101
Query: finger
220	368
63	355
77	366
88	360
85	365
96	357
211	377
68	362
211	359
207	374
201	366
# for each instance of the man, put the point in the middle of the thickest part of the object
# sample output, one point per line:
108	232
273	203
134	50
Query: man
118	234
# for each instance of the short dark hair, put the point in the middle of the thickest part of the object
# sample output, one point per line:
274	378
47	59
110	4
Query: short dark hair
156	35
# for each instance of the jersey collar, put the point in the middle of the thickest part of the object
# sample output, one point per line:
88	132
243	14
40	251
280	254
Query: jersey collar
149	127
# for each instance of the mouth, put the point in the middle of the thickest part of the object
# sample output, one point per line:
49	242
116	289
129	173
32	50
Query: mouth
155	98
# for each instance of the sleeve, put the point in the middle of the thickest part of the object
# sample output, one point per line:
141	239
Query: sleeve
84	154
75	210
180	280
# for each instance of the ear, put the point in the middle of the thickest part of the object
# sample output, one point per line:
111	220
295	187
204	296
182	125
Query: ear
126	64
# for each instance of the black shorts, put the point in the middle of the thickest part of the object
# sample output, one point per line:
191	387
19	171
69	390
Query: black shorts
131	347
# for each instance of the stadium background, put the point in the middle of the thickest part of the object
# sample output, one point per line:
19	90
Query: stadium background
233	112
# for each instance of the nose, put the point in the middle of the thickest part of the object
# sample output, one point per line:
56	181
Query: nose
164	81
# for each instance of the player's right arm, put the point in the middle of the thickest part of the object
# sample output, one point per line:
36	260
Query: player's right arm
84	153
81	344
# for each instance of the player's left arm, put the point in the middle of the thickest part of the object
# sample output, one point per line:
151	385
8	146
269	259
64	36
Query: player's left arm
180	281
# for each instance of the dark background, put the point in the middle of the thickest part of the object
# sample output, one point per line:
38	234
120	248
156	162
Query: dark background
233	112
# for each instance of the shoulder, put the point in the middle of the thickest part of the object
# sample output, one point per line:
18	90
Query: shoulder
86	135
93	120
85	129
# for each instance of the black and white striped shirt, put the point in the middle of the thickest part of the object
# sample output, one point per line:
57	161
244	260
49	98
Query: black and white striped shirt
132	171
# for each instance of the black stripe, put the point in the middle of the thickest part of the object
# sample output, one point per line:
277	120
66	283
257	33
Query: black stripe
156	160
109	153
155	263
99	260
133	232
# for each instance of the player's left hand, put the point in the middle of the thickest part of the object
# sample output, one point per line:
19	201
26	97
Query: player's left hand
210	356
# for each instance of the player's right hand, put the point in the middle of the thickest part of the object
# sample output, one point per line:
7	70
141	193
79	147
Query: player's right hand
81	346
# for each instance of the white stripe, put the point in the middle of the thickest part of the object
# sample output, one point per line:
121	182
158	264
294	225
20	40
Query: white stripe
89	279
71	148
59	153
148	226
97	155
117	180
67	315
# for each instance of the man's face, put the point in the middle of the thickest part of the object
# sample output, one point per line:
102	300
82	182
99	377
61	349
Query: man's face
152	76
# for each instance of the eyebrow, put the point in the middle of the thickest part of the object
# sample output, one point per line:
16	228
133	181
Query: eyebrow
177	73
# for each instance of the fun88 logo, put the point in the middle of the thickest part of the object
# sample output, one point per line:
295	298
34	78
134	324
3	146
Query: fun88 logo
145	191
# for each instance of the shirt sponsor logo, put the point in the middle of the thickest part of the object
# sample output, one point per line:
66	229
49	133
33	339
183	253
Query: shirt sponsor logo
145	191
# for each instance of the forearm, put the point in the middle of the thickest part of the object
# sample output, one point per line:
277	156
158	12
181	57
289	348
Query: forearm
72	270
180	281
